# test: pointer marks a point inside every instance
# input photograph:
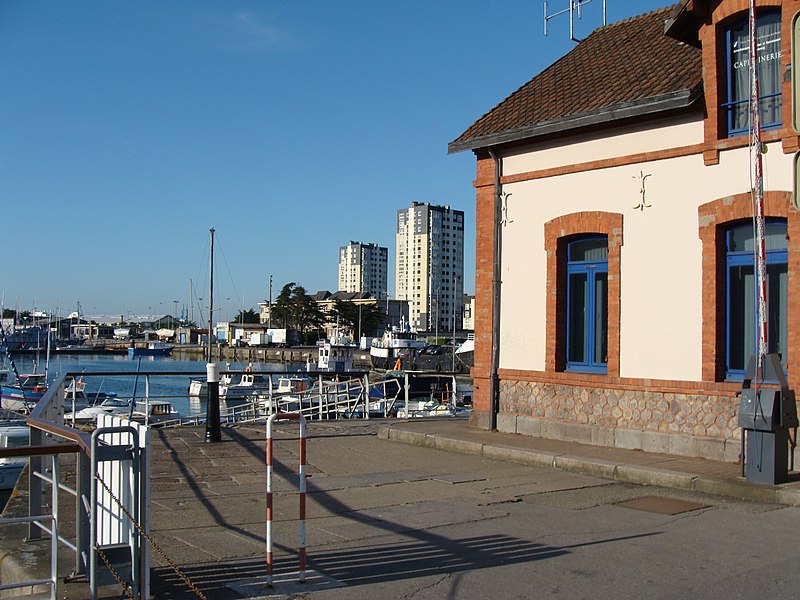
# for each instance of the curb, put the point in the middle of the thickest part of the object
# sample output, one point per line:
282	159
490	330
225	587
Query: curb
603	469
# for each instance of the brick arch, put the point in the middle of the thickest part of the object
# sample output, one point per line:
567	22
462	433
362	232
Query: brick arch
556	234
731	8
714	218
712	40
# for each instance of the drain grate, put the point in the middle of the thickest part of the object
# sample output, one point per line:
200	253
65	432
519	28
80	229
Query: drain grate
663	506
283	586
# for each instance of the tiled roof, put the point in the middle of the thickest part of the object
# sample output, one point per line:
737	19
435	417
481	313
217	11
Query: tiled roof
625	69
339	295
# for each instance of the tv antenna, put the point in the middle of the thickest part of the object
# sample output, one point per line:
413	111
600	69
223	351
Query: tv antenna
575	7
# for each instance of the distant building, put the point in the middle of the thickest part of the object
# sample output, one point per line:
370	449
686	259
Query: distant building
430	265
468	314
362	268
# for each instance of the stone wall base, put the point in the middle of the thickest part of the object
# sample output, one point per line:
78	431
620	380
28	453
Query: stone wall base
629	439
479	420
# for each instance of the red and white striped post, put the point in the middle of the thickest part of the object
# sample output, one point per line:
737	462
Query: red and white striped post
757	175
301	551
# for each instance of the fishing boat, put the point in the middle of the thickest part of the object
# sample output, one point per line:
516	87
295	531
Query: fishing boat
21	394
397	346
152	349
335	356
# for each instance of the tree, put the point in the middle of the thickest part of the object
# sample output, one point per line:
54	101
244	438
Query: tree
247	316
307	313
295	309
283	310
10	313
367	317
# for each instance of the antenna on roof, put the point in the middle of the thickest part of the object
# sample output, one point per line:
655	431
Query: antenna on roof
575	6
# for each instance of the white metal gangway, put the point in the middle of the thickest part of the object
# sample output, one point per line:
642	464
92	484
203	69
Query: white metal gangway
111	500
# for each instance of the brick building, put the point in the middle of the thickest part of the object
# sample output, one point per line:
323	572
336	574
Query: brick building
614	233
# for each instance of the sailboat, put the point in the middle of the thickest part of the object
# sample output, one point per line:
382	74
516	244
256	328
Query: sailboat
19	392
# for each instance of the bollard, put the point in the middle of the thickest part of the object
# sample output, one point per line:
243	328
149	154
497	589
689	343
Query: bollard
213	433
301	550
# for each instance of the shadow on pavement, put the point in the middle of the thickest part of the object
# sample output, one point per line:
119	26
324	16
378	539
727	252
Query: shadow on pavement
425	552
376	563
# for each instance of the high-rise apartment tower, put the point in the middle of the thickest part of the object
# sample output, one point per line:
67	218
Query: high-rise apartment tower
430	265
362	268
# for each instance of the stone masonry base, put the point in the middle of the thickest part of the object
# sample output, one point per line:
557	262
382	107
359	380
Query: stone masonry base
630	439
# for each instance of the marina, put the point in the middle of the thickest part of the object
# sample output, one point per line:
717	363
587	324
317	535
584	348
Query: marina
108	383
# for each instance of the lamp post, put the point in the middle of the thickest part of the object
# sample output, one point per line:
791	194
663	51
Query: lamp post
269	314
453	349
436	317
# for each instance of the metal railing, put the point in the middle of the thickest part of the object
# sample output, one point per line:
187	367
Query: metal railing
47	522
49	439
322	397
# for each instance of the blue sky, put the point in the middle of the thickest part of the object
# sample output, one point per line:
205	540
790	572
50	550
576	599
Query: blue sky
128	129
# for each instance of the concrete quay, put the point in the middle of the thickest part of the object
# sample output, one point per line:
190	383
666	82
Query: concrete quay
631	466
454	512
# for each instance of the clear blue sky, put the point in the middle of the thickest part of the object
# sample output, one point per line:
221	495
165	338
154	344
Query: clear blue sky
131	128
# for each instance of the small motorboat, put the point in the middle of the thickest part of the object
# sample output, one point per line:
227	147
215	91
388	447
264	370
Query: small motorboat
152	349
21	395
108	406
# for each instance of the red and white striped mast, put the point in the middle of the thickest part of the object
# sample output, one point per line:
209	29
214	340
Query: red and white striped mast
757	198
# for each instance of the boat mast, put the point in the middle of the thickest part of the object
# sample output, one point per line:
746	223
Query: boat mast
210	292
191	301
757	197
7	351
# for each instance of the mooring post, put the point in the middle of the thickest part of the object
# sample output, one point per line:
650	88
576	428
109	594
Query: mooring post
212	408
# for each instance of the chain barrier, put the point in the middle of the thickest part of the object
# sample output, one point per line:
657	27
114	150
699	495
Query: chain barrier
126	587
153	543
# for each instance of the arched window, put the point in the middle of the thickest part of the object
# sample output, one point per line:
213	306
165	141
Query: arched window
741	293
770	76
587	304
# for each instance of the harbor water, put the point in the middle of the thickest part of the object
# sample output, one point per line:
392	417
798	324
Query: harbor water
172	388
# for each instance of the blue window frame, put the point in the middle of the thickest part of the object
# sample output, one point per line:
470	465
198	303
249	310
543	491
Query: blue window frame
741	293
770	76
587	305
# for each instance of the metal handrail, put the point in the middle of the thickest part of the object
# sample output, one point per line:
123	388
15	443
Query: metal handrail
43	423
39	521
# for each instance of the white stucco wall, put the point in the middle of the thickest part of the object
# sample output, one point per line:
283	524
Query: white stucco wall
672	133
661	285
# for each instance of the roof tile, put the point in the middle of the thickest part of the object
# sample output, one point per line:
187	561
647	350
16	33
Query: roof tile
626	62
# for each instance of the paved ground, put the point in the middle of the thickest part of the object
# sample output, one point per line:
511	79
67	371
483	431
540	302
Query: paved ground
408	520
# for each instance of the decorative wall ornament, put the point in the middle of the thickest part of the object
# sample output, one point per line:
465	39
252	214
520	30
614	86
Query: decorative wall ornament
642	190
504	208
